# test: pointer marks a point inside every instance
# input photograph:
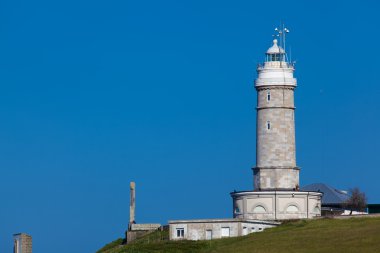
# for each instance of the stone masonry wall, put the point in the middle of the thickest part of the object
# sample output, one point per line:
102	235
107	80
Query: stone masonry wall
26	243
273	178
275	147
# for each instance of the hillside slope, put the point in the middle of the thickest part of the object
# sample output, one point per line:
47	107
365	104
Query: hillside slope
319	236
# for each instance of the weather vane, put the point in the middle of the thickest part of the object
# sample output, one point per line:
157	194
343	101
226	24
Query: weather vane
281	34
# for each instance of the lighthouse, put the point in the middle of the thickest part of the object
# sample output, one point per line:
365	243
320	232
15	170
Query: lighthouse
275	135
276	194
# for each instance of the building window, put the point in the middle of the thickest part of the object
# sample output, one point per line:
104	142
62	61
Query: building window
268	96
259	209
180	232
225	232
292	209
268	125
317	210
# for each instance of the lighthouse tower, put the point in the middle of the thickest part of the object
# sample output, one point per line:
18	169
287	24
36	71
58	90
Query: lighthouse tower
276	194
275	137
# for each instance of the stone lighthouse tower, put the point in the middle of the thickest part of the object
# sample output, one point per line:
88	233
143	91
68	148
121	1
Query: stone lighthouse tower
275	137
276	193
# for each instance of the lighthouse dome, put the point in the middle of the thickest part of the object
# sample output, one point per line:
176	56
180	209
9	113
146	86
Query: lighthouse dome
275	49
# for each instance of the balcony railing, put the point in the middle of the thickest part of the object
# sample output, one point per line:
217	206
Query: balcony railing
291	65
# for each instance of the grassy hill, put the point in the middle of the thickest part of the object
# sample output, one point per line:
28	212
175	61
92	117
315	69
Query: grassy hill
323	235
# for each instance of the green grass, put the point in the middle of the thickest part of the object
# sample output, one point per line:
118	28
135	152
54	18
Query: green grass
312	236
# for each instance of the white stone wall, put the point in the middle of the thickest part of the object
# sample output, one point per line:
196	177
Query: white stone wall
254	227
276	205
196	229
275	73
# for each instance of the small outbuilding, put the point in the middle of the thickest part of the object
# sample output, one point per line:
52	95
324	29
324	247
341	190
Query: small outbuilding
208	229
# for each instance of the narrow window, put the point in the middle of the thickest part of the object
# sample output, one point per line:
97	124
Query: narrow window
268	96
180	232
268	125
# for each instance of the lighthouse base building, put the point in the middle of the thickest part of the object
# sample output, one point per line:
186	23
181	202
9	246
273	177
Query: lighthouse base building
276	205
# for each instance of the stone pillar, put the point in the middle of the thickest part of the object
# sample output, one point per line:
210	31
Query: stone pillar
22	243
132	204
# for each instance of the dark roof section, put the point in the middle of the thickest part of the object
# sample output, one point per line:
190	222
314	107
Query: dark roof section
330	194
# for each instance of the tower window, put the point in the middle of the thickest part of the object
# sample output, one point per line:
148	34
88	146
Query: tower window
268	125
276	57
268	96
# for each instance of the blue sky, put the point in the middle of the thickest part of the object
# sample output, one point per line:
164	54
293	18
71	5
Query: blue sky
95	94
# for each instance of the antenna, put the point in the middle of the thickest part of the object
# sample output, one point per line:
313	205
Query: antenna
281	33
285	31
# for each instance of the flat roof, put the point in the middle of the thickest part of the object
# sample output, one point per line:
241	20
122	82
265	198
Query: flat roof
279	191
22	234
227	220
